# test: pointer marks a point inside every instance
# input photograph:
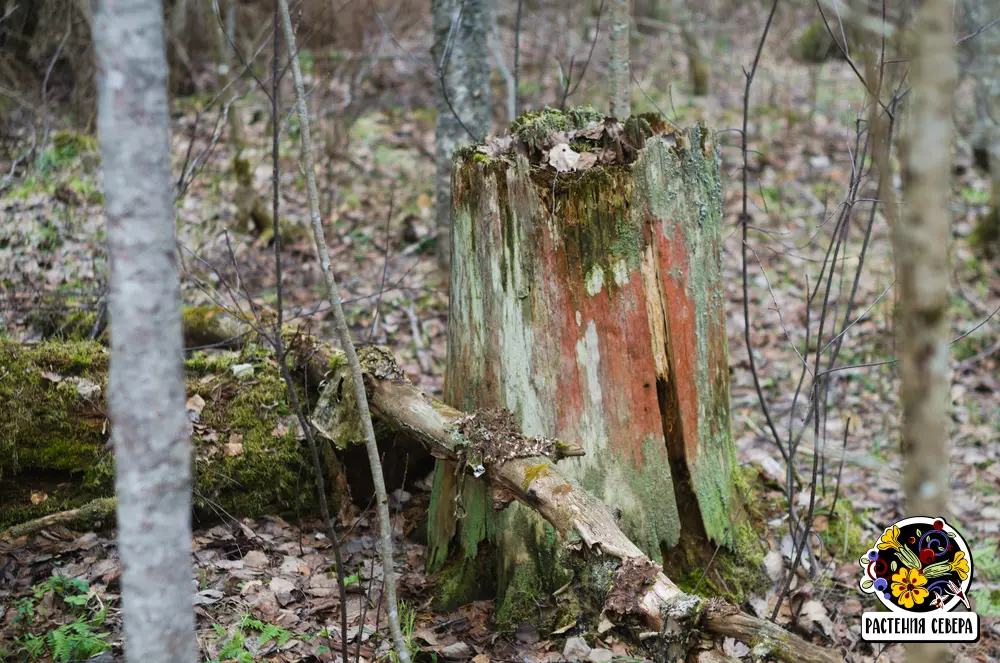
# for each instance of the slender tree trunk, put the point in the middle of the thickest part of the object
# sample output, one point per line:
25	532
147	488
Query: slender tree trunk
146	386
984	69
921	248
619	74
464	105
698	70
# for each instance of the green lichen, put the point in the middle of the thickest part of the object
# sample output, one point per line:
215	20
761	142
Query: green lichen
651	521
534	472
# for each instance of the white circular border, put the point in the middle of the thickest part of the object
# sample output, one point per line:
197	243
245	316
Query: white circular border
955	601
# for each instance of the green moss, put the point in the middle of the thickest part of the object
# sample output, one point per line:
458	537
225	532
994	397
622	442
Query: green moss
202	321
986	235
46	425
71	144
533	127
254	411
521	599
737	570
64	317
86	190
592	208
845	535
815	45
532	569
461	581
49	428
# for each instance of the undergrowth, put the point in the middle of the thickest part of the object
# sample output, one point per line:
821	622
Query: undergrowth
61	622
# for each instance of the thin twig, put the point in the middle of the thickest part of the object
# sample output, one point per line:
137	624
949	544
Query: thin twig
340	324
567	93
278	342
745	218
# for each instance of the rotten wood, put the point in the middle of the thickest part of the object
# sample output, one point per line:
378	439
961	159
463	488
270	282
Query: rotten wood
537	483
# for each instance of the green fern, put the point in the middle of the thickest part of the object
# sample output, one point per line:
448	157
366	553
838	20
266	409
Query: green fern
75	641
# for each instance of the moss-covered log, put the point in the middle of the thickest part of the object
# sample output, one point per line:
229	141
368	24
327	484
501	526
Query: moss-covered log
54	435
590	304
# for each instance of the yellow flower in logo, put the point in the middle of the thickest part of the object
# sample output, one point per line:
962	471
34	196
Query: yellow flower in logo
908	587
960	565
890	539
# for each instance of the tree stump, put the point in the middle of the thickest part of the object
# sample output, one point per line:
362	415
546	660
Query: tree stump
590	304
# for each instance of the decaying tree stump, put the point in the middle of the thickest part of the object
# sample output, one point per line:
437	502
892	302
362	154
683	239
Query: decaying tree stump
589	303
614	579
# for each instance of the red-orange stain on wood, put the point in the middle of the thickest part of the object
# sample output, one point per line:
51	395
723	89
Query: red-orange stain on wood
681	332
625	368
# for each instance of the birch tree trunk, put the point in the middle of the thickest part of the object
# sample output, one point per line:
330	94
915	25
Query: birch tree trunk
146	386
921	248
461	51
590	305
619	74
984	69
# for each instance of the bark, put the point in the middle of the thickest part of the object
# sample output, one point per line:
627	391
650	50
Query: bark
921	253
146	387
590	304
983	56
921	247
464	104
619	74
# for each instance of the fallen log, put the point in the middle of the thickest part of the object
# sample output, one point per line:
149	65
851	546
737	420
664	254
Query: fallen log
523	468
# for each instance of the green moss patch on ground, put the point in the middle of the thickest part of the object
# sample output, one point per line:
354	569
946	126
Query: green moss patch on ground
248	457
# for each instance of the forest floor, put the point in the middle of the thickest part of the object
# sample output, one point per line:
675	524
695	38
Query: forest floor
265	587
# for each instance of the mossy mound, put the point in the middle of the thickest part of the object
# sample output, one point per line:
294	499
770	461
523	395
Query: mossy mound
576	131
53	424
815	45
533	127
248	458
52	418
